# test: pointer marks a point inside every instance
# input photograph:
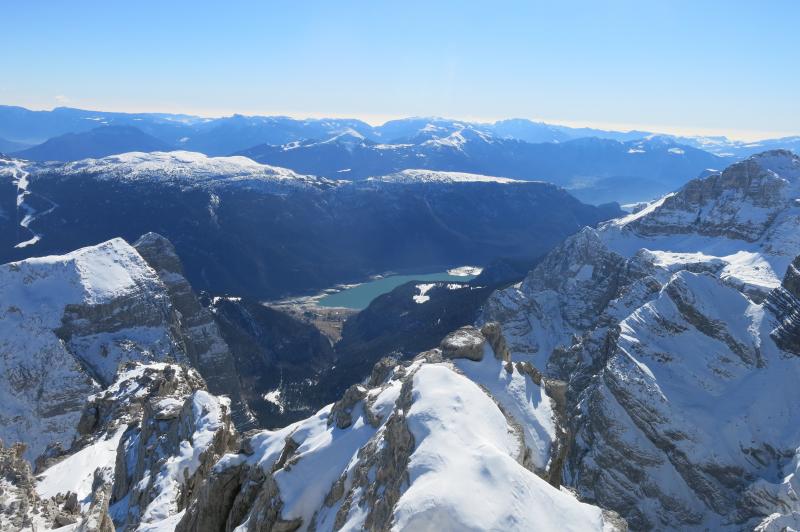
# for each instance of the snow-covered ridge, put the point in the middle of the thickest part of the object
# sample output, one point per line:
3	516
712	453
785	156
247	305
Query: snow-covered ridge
183	166
434	176
456	439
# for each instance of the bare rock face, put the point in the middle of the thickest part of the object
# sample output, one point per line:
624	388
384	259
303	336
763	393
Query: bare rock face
197	331
494	335
466	342
96	517
18	496
785	303
21	507
342	411
577	281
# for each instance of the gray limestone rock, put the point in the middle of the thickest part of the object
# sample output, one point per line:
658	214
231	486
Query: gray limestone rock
466	342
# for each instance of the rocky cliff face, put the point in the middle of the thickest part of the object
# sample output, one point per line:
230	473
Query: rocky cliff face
21	508
677	338
785	303
198	331
738	203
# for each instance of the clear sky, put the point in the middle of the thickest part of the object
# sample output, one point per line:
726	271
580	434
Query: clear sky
677	66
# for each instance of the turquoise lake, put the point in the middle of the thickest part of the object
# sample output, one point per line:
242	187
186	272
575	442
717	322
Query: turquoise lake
359	297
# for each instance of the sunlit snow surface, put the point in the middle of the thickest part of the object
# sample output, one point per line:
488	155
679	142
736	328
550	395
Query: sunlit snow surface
463	472
187	168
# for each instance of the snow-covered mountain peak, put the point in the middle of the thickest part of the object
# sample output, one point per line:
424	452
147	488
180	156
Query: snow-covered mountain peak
751	204
783	163
66	323
678	328
347	135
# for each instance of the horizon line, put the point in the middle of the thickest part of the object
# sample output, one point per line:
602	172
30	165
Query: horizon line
376	120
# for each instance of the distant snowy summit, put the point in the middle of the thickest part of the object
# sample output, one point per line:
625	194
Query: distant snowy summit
432	176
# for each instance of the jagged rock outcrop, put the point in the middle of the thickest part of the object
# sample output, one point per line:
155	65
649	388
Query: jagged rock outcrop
148	443
466	342
21	508
67	323
679	357
739	202
537	325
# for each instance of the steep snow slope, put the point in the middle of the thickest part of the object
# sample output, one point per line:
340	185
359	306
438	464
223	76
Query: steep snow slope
677	340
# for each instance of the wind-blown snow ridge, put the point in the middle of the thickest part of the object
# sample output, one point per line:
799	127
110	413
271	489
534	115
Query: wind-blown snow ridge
428	444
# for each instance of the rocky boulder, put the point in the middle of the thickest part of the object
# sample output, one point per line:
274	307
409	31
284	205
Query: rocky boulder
466	342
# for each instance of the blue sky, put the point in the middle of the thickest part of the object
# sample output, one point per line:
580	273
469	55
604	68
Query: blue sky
675	66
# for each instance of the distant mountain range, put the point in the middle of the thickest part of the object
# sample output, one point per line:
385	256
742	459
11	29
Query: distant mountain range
595	165
595	170
223	136
94	143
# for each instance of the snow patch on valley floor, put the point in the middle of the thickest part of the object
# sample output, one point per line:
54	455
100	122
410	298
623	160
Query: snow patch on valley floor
274	397
422	297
